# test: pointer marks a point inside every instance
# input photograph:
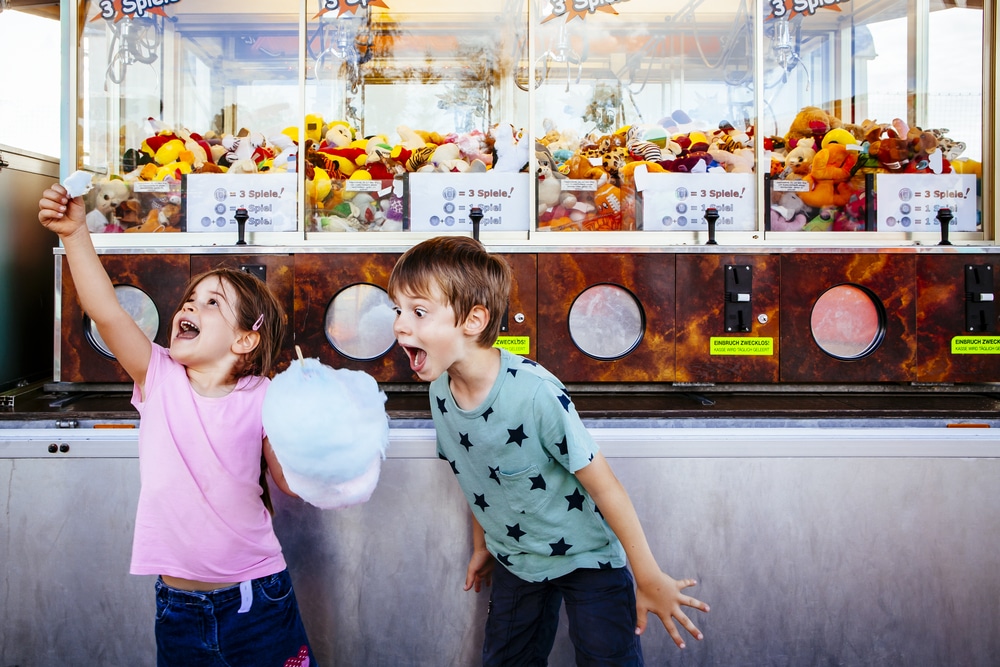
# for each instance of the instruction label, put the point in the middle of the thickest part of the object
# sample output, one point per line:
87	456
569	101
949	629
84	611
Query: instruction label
736	346
515	344
677	202
910	202
975	345
441	202
212	201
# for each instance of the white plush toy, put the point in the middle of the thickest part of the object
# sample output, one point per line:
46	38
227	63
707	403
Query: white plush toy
329	431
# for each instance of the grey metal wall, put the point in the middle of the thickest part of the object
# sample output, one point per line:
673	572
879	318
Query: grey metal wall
26	289
874	557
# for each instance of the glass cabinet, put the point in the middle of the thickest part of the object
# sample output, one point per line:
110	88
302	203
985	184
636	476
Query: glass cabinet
654	121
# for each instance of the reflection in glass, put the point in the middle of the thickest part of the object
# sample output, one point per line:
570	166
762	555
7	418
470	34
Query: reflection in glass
848	322
606	322
359	322
140	308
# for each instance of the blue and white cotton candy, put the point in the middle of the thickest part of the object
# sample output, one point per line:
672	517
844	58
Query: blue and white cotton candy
329	430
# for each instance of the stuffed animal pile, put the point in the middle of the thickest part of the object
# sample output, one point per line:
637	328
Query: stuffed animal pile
833	158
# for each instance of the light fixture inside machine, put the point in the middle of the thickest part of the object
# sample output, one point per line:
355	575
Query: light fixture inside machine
606	322
138	305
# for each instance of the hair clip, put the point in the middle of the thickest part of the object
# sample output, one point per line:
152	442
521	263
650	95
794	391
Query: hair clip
260	321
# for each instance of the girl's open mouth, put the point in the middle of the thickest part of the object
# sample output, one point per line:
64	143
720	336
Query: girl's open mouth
187	329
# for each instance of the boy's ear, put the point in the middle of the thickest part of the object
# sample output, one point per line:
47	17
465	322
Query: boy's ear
246	343
477	320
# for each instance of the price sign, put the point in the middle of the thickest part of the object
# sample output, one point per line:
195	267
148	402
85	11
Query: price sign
677	202
212	200
910	202
441	202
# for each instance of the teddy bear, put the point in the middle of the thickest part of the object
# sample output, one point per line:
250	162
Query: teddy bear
550	193
105	198
810	122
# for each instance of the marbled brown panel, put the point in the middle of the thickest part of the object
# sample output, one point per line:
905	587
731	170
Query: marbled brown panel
650	277
280	277
890	277
701	296
318	278
941	317
524	300
162	277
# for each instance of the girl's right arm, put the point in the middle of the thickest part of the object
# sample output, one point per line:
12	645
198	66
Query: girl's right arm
67	218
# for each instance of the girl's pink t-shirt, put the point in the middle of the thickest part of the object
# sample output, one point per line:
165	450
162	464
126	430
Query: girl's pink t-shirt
200	513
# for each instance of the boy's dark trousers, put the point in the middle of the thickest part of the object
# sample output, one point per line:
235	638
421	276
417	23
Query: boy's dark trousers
524	616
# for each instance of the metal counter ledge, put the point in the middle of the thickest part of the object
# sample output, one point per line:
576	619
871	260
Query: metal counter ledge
835	528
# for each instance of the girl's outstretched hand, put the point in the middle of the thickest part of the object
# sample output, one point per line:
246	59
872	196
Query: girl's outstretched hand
664	597
59	213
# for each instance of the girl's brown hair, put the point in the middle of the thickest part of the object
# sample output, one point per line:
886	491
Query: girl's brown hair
254	300
467	274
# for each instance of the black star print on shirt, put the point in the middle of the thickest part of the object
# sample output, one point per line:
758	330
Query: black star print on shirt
494	473
529	362
566	402
575	500
512	371
562	446
537	482
515	532
504	558
481	501
516	435
441	408
463	439
454	468
486	415
560	548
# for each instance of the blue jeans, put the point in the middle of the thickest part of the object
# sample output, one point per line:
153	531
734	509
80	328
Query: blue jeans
523	618
215	629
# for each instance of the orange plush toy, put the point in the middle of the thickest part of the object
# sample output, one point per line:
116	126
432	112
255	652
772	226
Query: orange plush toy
829	178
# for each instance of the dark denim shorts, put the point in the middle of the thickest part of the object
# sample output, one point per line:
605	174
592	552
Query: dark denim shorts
216	629
524	616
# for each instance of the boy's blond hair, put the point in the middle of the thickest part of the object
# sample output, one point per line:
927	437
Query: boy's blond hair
467	274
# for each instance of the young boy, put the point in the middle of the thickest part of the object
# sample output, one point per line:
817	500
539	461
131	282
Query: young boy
545	504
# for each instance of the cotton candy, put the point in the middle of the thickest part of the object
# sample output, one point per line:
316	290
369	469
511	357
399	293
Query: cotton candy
329	430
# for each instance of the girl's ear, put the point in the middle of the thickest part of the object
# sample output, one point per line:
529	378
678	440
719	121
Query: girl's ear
477	320
246	343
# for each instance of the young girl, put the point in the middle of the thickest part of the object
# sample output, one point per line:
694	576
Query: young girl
223	596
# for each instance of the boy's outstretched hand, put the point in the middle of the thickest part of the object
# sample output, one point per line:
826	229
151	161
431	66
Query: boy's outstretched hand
61	214
664	596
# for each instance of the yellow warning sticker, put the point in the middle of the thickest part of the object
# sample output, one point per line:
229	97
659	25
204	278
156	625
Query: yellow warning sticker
975	345
516	344
741	346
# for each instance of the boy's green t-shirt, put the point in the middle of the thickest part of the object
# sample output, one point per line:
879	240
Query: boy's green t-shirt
514	457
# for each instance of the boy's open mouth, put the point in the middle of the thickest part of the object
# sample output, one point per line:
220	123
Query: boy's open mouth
187	329
417	357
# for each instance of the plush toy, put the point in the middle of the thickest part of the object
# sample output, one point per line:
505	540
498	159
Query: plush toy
851	218
810	122
829	177
105	197
550	192
798	161
789	213
740	161
511	153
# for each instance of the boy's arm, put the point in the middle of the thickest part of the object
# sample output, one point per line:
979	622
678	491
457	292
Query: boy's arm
125	340
655	591
480	570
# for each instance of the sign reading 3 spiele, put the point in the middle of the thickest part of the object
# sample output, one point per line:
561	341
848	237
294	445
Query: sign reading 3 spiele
116	10
344	6
572	9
